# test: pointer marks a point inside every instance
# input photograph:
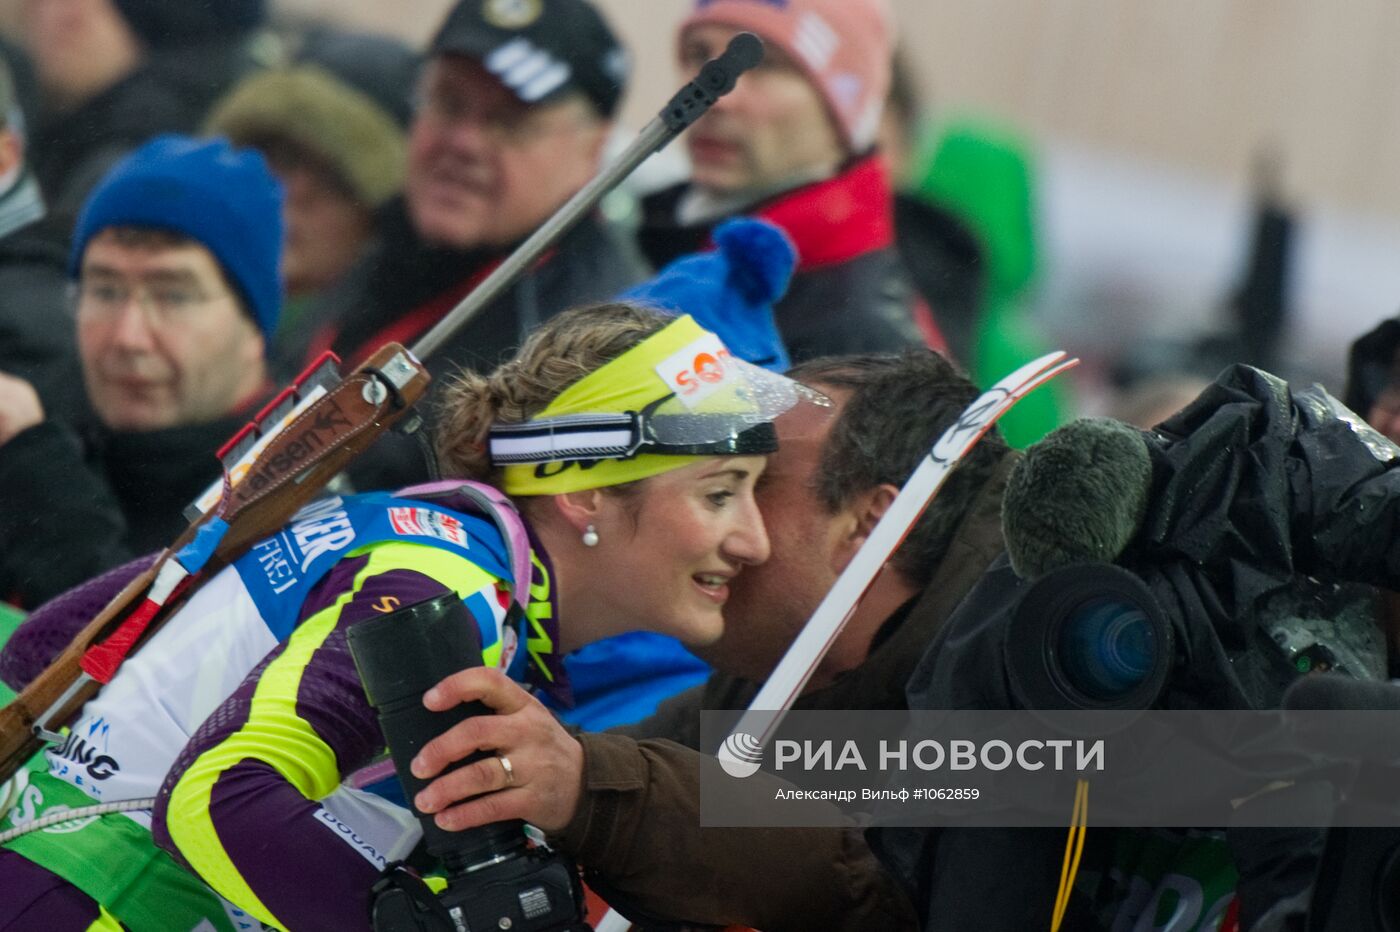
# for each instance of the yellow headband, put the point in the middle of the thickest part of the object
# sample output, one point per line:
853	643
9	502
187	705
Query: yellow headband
628	383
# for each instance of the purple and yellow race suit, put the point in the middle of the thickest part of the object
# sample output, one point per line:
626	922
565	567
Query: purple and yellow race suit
244	714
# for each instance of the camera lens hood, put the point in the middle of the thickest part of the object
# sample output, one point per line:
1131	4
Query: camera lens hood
1088	637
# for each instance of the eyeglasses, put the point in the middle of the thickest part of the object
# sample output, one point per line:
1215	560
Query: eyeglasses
163	304
504	126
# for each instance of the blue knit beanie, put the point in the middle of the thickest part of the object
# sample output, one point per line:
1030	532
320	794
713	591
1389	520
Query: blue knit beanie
226	199
731	291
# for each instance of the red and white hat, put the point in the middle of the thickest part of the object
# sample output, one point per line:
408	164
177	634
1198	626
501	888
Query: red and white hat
844	46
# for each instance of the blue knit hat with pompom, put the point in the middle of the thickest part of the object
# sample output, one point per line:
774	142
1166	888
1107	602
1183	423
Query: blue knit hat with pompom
731	291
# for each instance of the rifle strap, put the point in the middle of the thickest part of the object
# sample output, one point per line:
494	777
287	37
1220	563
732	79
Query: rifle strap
357	404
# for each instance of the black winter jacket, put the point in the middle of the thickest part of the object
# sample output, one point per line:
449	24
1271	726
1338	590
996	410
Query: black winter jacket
36	330
170	92
70	509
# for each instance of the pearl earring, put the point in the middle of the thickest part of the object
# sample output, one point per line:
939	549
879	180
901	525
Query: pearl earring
590	537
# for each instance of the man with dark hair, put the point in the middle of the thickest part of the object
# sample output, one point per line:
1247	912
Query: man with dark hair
830	483
1373	378
632	816
174	268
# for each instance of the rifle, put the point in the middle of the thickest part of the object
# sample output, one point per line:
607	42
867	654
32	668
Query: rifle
302	439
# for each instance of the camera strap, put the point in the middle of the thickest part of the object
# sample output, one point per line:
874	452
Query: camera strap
397	876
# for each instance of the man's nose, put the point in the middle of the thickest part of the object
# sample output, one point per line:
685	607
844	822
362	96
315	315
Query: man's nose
131	325
1390	427
297	188
736	99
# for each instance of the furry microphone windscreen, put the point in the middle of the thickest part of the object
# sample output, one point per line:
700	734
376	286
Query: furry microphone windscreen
1077	496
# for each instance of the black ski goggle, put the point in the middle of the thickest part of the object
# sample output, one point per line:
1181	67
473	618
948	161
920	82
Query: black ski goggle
586	437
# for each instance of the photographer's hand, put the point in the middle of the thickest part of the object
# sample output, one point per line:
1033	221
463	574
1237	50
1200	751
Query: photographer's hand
546	762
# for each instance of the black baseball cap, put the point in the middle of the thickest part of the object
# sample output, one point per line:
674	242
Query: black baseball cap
539	49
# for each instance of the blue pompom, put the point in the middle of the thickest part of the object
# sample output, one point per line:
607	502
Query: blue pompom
761	257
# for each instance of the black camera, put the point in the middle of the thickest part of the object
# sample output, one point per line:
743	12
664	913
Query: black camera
495	879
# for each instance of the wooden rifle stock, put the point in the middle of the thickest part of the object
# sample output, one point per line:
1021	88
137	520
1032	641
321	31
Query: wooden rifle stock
295	465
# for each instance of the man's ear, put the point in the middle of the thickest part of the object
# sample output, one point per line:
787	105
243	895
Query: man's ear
579	509
858	519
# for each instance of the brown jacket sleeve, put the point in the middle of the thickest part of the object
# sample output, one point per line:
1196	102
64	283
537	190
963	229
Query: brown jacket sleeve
637	832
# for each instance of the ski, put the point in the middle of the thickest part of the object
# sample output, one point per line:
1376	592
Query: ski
748	738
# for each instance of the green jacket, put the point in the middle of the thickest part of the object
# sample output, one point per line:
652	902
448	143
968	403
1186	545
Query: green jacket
984	175
10	617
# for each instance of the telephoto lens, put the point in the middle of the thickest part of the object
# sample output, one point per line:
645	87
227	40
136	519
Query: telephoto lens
494	879
1106	648
400	657
1091	637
